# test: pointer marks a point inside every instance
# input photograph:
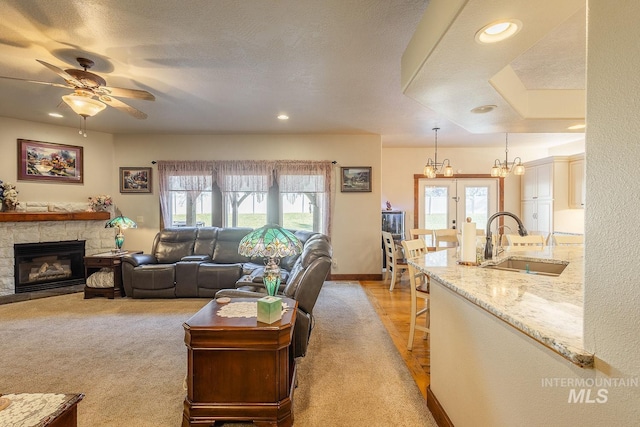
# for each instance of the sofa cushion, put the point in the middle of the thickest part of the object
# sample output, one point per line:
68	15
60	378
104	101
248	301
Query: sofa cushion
205	241
218	276
302	235
226	251
173	244
155	276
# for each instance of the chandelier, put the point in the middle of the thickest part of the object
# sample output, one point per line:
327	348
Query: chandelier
503	169
432	168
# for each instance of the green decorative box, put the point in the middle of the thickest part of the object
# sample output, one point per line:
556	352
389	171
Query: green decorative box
269	309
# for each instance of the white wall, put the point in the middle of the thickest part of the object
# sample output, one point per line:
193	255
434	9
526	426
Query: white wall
612	297
400	164
98	161
356	218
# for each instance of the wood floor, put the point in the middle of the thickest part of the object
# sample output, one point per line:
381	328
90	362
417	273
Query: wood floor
394	309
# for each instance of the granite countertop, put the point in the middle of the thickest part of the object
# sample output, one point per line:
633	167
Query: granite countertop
548	309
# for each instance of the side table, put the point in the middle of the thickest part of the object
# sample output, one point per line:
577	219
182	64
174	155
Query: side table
239	369
113	260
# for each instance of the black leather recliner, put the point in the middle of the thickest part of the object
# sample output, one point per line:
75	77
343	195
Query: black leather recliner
303	285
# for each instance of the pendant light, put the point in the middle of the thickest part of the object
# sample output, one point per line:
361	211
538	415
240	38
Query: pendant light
503	169
432	167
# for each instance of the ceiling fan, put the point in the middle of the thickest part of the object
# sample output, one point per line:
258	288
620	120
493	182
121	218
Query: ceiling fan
87	85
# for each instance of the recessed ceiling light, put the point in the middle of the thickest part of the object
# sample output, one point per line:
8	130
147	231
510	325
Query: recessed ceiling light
484	109
283	117
57	115
498	31
575	127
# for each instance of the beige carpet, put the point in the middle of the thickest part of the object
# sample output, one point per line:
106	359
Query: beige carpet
129	358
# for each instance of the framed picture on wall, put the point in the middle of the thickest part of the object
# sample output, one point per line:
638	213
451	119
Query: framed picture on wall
135	180
355	179
46	161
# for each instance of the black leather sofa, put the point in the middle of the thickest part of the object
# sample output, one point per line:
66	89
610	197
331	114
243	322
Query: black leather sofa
204	262
200	261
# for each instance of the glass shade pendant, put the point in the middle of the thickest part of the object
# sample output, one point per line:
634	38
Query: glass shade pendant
432	167
503	169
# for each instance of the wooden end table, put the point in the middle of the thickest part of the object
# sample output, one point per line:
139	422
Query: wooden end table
113	260
239	369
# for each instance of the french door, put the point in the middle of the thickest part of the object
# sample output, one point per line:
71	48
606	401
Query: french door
445	203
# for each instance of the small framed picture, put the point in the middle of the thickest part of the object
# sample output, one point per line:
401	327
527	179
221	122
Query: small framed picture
46	161
355	179
135	180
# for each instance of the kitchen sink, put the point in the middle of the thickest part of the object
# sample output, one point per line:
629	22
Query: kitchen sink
520	265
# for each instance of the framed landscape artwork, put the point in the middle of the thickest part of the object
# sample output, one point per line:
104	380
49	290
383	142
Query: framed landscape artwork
355	179
135	180
46	161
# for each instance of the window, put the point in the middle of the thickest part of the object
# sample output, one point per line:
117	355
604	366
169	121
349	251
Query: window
294	194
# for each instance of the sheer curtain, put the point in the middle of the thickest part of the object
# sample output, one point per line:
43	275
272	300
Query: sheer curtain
291	176
308	177
192	177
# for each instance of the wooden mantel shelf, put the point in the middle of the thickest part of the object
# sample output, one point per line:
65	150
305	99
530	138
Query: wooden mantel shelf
52	216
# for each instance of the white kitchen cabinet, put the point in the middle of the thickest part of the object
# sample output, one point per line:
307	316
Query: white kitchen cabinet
577	187
545	194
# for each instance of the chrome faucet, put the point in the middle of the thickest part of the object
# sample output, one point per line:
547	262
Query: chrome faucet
488	247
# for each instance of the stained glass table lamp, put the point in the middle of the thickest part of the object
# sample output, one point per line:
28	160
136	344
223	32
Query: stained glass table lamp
120	222
272	242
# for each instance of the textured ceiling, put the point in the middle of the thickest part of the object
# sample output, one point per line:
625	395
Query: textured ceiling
231	66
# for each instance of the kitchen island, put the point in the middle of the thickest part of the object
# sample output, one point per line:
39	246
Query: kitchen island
546	308
505	345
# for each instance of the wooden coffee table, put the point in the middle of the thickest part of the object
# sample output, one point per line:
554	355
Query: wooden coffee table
239	369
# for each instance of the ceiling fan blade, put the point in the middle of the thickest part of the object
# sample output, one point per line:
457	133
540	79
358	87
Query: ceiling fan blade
36	81
59	71
126	93
115	103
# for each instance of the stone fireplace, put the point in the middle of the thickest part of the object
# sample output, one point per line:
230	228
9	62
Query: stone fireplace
60	223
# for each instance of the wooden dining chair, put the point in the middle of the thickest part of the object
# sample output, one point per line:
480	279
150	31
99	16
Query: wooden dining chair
567	239
419	284
424	233
448	236
396	264
530	240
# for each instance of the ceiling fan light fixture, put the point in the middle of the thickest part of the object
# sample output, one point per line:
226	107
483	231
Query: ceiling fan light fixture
84	105
498	31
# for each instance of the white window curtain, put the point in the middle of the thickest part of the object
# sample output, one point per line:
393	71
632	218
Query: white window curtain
244	175
292	176
308	177
192	177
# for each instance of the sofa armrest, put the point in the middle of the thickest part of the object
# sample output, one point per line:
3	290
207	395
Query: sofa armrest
139	259
196	258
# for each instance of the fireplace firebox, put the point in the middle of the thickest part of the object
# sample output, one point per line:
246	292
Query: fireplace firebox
48	265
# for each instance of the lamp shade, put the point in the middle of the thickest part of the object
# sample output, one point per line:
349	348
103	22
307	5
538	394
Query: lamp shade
121	222
270	241
84	105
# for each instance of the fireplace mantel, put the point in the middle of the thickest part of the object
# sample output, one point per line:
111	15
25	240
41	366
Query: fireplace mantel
52	216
